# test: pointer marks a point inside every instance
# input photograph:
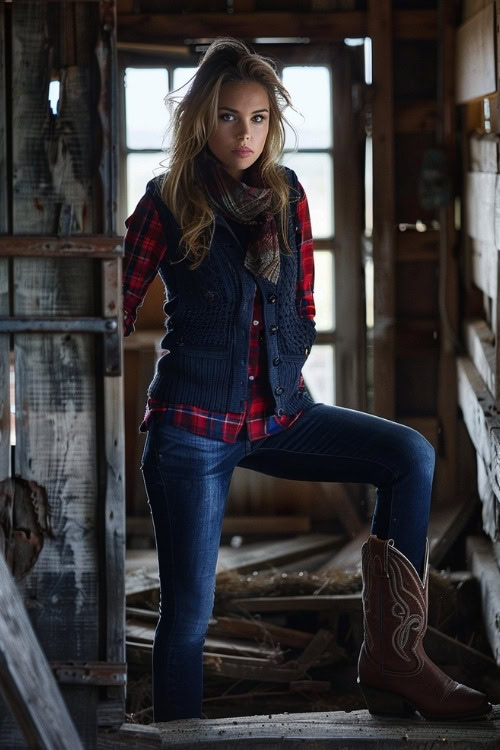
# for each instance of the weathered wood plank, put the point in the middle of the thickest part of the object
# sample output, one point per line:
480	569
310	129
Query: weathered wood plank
480	206
261	555
86	246
4	269
481	347
26	678
446	131
307	603
490	503
475	59
483	425
54	160
483	564
329	27
321	730
380	29
483	263
114	498
483	152
477	407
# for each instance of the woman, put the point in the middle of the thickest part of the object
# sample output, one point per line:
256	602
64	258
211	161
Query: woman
228	231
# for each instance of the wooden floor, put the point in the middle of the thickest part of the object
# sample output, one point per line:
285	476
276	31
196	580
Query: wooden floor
320	731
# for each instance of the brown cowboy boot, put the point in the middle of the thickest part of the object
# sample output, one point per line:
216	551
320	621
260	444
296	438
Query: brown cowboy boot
396	676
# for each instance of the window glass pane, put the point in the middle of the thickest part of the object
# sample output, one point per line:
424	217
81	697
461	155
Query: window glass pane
315	174
310	89
319	373
140	169
182	76
146	114
324	290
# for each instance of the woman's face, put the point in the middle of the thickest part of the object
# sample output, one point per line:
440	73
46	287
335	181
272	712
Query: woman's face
242	126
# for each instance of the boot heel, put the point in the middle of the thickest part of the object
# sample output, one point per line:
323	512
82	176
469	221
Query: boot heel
382	703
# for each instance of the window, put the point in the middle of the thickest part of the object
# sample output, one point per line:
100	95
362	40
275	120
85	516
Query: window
310	87
146	119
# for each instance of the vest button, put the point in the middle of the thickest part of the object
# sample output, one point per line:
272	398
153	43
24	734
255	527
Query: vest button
276	361
306	351
279	412
273	328
272	299
279	390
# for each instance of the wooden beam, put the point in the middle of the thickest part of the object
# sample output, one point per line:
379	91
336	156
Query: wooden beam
4	192
333	729
481	347
416	246
380	30
476	60
483	424
161	28
483	564
490	503
77	246
26	679
350	347
273	525
415	116
480	191
478	408
483	152
482	264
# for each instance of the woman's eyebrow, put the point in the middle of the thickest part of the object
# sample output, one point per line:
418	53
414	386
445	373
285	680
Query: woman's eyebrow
231	109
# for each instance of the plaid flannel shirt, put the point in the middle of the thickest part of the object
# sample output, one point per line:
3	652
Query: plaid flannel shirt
144	249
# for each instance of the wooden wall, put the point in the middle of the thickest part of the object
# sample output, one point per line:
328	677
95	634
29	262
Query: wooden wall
61	514
478	365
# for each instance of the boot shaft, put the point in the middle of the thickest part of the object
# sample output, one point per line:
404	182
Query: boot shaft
394	608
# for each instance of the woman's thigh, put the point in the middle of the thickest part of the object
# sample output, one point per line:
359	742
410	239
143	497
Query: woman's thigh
187	479
335	444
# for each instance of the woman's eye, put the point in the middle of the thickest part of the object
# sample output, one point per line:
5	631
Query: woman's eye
226	114
261	118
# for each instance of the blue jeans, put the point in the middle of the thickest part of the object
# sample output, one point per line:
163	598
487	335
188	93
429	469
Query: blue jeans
187	480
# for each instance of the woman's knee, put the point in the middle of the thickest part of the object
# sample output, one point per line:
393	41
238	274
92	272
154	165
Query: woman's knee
417	453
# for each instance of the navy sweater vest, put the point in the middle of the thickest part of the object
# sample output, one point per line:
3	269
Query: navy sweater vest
209	313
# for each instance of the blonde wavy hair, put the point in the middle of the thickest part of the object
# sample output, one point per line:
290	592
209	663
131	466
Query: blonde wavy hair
194	118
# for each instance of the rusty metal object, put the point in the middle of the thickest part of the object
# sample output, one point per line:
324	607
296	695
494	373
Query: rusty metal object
24	523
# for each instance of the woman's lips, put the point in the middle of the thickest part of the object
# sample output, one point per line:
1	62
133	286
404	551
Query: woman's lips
242	151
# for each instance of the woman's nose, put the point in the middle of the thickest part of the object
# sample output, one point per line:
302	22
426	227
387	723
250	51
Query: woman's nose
244	131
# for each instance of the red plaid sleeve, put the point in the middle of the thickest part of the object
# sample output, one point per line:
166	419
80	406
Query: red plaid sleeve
144	248
305	283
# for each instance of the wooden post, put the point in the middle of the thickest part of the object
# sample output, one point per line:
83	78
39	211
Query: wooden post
448	267
68	411
4	271
26	678
380	29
